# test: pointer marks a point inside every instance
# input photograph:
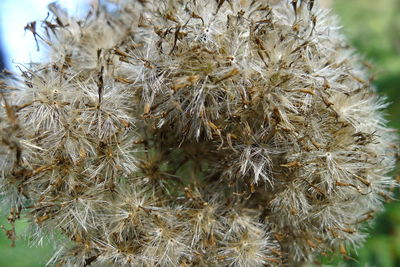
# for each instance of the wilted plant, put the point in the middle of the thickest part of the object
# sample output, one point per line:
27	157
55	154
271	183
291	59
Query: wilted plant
195	133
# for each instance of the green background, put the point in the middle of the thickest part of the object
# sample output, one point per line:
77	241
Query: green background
373	27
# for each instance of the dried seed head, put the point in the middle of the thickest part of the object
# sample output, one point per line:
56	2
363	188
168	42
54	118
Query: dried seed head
195	133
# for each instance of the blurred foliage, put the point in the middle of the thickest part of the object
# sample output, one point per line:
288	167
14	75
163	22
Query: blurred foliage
373	27
23	254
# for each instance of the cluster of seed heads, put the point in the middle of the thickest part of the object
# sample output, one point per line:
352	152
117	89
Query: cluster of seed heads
194	133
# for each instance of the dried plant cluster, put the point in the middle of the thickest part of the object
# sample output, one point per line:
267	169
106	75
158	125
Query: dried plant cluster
194	133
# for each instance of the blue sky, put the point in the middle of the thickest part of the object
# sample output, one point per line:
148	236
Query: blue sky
19	46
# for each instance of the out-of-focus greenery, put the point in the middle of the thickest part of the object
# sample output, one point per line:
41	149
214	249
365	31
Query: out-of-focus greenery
374	29
23	254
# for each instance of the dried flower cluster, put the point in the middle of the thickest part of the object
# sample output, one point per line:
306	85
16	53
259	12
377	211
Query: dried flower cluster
194	133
